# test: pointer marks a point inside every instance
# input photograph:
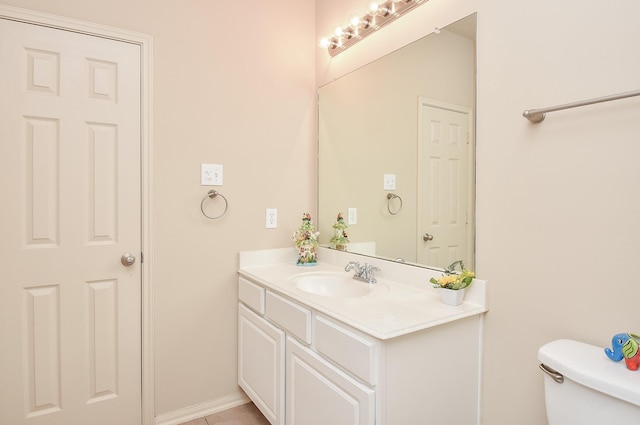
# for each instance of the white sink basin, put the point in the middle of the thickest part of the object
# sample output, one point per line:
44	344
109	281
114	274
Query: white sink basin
331	284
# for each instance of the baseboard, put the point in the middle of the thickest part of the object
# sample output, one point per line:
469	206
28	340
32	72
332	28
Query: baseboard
202	409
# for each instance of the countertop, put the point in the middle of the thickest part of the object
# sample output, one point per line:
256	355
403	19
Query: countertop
392	309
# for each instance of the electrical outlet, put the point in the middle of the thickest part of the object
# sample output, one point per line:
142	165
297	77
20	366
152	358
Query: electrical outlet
389	182
211	174
352	216
272	218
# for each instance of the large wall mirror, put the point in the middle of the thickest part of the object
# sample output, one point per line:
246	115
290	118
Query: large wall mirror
397	152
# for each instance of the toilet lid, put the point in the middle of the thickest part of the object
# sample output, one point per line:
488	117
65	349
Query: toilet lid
588	365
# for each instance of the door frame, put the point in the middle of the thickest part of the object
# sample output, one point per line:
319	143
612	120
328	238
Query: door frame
471	192
145	42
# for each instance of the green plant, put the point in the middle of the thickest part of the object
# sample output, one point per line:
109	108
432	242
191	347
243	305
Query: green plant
453	280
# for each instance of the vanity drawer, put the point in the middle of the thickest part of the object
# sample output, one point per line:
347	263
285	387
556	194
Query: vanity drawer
251	295
291	316
349	348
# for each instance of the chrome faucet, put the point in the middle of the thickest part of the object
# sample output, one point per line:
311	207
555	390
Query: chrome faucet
364	273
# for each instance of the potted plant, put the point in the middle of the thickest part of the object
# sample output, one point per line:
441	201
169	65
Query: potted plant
452	284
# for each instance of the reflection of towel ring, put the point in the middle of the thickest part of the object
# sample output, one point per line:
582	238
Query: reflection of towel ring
212	194
391	196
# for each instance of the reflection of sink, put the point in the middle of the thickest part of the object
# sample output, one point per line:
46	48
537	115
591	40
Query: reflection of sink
331	284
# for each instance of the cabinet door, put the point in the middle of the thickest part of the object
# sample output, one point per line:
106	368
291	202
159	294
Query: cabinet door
261	363
318	393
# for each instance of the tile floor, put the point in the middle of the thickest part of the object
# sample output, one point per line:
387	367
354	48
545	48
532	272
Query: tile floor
246	414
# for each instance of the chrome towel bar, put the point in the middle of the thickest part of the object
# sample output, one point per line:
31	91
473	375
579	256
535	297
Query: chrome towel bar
537	115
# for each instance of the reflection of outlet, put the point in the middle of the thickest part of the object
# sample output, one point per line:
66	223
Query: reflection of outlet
352	216
272	218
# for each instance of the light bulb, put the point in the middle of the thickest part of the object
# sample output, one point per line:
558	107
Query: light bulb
356	22
325	43
379	9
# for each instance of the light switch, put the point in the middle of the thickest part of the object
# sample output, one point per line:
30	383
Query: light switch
211	174
389	182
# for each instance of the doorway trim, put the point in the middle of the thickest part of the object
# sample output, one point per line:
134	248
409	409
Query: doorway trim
145	42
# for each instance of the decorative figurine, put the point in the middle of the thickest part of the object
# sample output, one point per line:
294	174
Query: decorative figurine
306	239
625	346
339	240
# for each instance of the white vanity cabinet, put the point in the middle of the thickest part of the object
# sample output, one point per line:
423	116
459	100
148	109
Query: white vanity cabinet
319	393
314	390
302	365
261	363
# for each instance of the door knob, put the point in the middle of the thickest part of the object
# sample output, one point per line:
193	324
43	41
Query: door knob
427	237
127	259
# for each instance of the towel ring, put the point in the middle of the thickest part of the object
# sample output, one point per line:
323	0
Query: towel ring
210	195
391	196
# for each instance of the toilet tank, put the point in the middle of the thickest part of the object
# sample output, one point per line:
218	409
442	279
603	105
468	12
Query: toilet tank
595	390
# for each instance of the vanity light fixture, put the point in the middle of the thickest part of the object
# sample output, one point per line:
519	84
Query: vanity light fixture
380	14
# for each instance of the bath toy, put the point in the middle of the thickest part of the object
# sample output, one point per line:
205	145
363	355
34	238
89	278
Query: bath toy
625	345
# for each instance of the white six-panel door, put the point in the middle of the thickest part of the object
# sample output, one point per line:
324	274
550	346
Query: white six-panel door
70	328
445	190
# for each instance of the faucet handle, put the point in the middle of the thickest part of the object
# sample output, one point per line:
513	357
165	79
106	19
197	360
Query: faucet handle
371	267
352	265
371	270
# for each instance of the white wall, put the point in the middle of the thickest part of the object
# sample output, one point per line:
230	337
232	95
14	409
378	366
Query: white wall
558	207
232	85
